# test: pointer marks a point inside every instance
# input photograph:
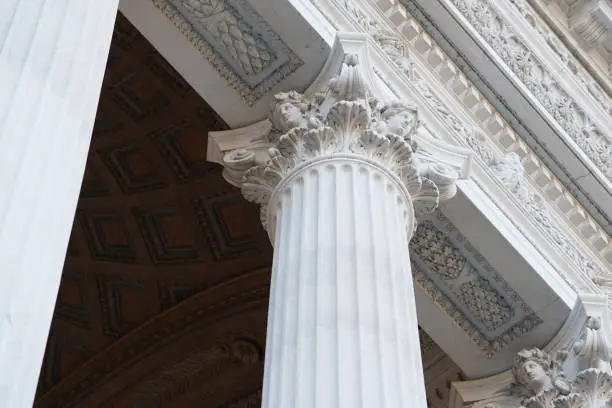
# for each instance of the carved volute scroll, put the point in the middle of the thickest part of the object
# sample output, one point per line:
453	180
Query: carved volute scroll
375	131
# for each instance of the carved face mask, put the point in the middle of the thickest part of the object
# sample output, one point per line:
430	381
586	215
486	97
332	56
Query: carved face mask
291	114
534	376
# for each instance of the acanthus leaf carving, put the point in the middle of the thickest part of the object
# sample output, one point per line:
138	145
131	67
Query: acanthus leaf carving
346	120
541	381
593	349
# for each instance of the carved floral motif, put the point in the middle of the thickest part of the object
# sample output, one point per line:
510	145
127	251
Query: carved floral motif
543	85
252	52
234	38
541	381
347	120
565	54
508	168
593	349
461	281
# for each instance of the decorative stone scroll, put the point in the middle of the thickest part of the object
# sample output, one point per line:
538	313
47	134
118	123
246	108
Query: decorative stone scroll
344	119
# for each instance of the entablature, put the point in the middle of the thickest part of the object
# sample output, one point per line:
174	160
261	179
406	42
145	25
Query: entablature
557	109
474	122
585	28
526	300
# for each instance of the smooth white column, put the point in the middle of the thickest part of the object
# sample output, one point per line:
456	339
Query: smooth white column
342	329
52	60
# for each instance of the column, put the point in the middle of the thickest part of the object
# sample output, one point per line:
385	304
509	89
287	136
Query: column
52	61
339	195
342	326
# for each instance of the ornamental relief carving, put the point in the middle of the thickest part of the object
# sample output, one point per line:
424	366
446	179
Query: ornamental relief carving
344	119
508	169
233	35
545	380
195	371
235	39
543	85
558	47
531	201
462	282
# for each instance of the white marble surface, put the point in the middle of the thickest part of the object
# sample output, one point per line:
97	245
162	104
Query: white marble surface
52	60
342	329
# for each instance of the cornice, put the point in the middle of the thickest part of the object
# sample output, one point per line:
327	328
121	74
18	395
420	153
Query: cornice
518	106
471	117
516	45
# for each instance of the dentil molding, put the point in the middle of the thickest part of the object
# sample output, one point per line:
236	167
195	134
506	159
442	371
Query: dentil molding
419	61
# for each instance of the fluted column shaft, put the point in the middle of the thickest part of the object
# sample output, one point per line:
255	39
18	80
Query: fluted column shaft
342	329
52	60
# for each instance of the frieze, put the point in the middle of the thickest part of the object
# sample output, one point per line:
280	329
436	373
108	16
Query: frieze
236	40
508	168
542	83
560	47
402	37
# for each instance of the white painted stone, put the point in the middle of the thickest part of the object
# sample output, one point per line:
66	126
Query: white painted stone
52	61
572	371
342	328
340	188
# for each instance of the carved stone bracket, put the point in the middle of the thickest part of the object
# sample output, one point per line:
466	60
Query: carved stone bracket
341	115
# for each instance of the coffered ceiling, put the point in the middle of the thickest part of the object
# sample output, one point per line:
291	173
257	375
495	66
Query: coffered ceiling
155	222
164	291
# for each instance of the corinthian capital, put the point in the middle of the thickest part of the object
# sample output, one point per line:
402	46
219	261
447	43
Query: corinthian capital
339	117
574	372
